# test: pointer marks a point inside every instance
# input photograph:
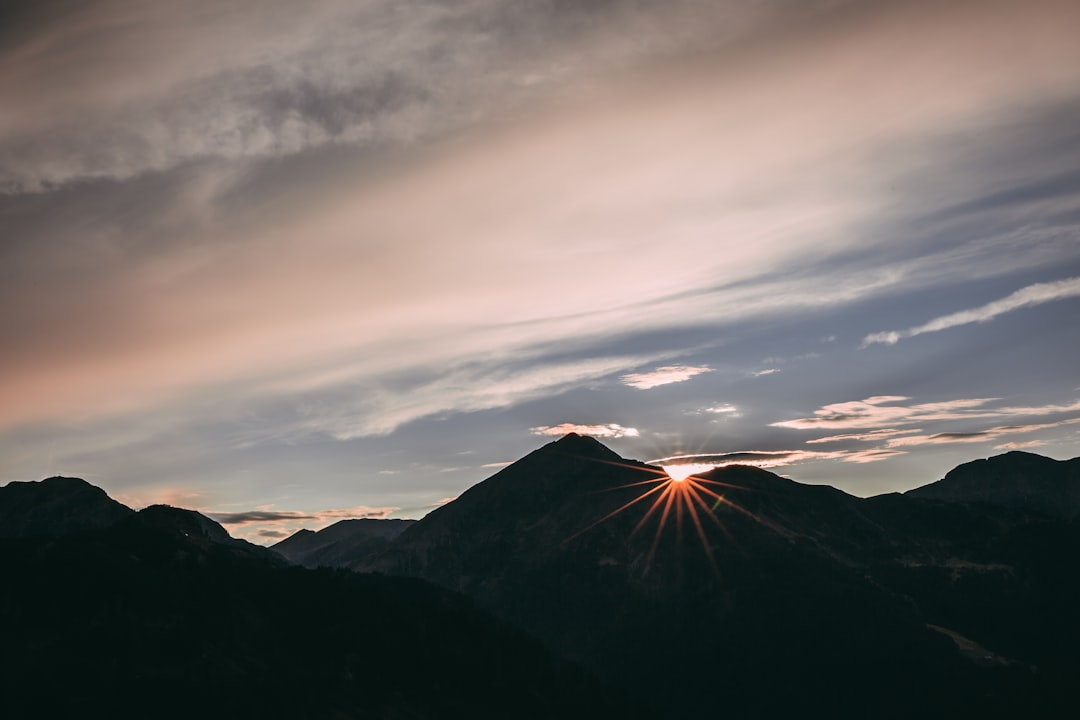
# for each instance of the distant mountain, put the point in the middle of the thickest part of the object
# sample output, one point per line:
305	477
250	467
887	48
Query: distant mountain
56	506
1016	479
342	544
161	614
195	529
773	595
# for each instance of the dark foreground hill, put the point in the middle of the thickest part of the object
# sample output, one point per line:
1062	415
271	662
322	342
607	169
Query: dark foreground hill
755	596
163	615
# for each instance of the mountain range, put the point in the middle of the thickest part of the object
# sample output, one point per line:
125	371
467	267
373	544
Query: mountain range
734	593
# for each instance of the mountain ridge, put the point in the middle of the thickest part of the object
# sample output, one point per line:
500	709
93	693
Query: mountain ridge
1015	479
774	594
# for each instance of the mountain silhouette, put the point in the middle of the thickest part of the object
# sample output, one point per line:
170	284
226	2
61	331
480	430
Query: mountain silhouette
56	506
340	544
1016	479
774	595
162	614
736	592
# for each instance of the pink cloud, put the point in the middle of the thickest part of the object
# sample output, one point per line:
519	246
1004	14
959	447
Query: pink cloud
881	411
662	376
610	430
872	436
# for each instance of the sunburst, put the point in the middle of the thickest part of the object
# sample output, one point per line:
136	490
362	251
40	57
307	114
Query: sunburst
676	491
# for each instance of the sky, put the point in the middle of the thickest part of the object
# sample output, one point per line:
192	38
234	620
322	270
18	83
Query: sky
288	263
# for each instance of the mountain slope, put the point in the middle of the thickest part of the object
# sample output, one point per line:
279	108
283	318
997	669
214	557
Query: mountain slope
765	593
159	616
342	544
56	506
1020	480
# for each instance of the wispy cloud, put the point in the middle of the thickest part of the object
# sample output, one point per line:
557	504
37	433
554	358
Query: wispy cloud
610	430
268	525
241	79
767	371
322	516
883	411
662	376
1029	296
777	458
872	436
986	435
720	409
1019	445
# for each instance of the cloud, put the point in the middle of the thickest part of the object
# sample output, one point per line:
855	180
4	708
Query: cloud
720	409
158	87
776	458
322	516
872	436
882	411
1019	445
610	430
273	534
337	286
976	436
1029	296
769	371
469	388
662	376
243	225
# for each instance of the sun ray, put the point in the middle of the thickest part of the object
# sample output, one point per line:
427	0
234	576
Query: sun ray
616	511
630	485
701	532
722	526
656	504
744	511
681	494
659	530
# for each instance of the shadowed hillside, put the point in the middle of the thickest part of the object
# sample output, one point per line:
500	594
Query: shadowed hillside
774	595
164	615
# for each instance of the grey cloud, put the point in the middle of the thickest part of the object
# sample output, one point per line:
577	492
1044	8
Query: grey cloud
278	78
1031	295
257	516
276	516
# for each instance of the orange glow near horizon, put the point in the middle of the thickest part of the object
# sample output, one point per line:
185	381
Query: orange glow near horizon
678	492
678	473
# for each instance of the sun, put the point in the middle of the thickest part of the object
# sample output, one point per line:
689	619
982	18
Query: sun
677	493
678	473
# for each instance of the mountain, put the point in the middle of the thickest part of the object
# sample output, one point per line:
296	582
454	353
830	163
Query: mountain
341	544
746	593
56	506
736	592
1016	479
161	614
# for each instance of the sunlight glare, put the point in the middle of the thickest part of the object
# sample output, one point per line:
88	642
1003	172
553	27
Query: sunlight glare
678	473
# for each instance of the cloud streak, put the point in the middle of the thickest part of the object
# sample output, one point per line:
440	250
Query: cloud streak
610	430
1030	296
881	411
322	516
778	458
976	436
662	376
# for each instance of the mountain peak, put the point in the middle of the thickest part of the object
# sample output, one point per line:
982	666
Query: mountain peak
56	506
582	446
1016	479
